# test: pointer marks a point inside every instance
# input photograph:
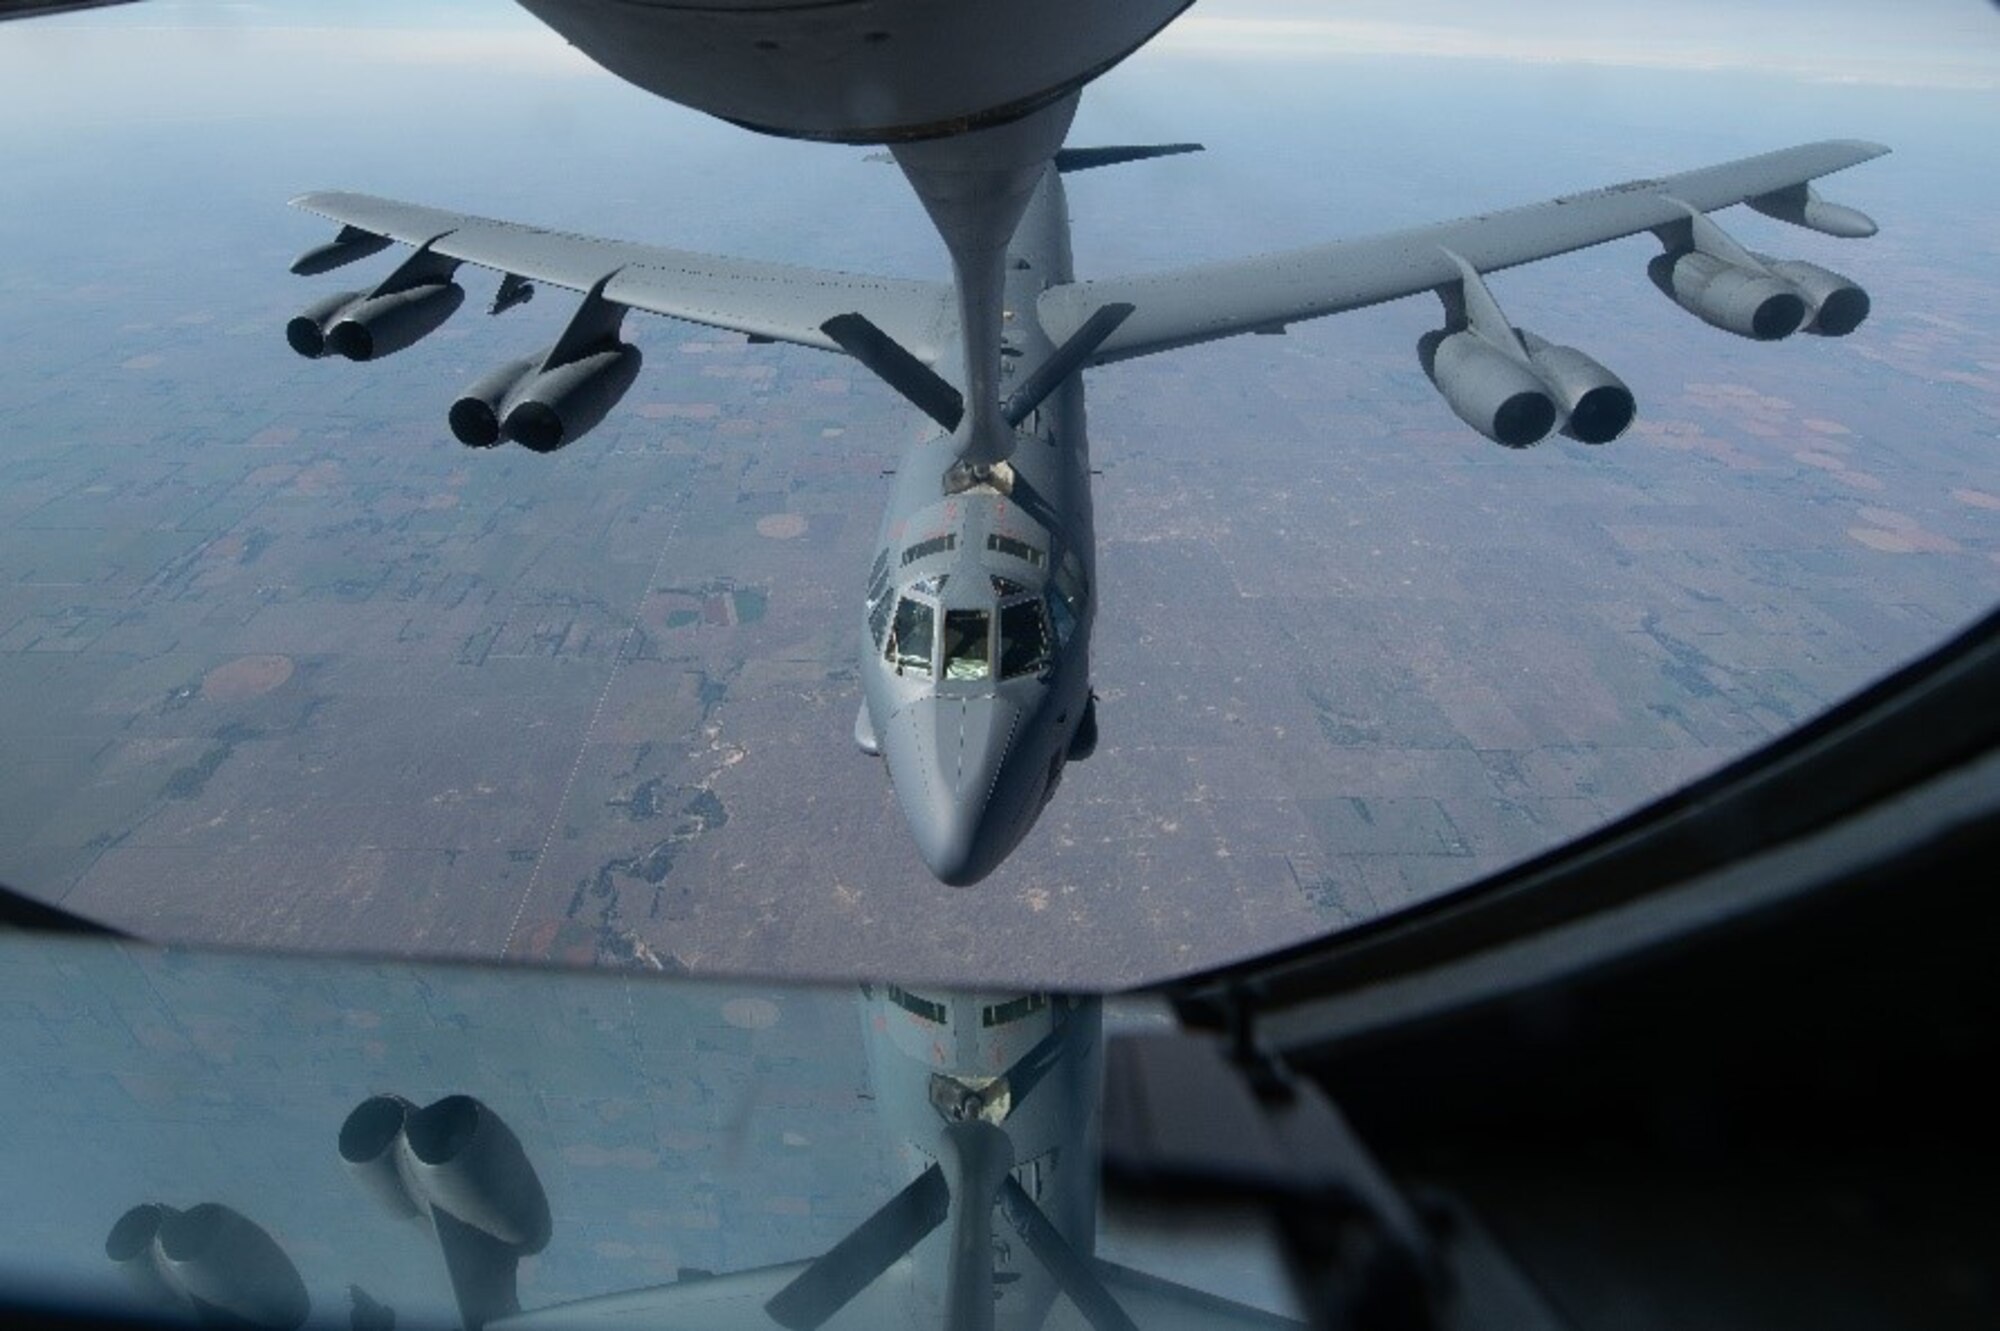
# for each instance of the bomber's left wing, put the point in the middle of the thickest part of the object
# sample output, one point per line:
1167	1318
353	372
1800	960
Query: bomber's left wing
779	302
1263	294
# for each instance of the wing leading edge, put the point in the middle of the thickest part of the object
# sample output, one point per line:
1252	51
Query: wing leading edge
1186	306
778	302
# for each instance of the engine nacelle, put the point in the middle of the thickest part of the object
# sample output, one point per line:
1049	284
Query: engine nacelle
456	1156
387	323
1835	305
1727	296
463	1158
1597	404
212	1260
475	417
1491	391
307	331
559	405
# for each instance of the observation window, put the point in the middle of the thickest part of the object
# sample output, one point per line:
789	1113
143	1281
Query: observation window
912	638
1021	550
968	651
928	1009
1003	1014
1024	639
935	545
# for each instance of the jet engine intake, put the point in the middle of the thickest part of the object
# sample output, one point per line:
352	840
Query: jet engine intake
559	405
1835	305
387	323
211	1259
1729	296
1489	390
369	1146
1597	404
475	417
307	331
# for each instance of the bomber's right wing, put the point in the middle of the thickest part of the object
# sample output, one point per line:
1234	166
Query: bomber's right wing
1263	294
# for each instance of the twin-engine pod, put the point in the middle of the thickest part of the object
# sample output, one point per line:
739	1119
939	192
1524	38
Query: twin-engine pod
455	1155
1510	385
1490	390
409	303
544	408
210	1261
1596	404
307	331
387	323
456	1164
1835	305
1733	297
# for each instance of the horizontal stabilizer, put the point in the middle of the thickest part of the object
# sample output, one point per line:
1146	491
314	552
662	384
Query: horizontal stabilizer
1083	159
895	366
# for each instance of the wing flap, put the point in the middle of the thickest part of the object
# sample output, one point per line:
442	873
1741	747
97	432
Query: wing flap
1210	301
782	302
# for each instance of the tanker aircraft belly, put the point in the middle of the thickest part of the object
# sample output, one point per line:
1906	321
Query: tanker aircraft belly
974	631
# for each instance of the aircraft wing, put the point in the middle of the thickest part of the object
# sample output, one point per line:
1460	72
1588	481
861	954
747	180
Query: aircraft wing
1263	294
780	302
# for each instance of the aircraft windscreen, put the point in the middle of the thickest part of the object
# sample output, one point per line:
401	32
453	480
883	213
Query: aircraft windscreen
913	637
968	647
1024	642
286	664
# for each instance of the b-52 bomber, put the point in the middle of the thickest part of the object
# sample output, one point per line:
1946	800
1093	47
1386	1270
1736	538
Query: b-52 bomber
974	634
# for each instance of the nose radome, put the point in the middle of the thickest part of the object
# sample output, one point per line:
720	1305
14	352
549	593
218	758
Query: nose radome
945	756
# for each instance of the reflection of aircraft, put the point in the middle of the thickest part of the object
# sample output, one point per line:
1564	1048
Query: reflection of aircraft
1703	1067
975	639
990	1099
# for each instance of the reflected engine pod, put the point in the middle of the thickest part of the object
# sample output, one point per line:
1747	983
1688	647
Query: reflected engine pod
212	1260
1735	299
456	1156
1490	390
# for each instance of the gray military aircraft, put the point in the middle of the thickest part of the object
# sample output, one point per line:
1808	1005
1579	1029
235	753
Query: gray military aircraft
975	636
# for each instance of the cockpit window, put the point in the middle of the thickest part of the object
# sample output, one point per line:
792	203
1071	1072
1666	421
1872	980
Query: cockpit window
935	545
1007	545
912	638
968	653
1066	597
1024	639
1063	617
1006	587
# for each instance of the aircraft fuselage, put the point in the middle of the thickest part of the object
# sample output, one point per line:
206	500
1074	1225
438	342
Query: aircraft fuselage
975	638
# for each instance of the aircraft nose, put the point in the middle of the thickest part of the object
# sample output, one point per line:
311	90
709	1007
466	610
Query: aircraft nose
945	757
